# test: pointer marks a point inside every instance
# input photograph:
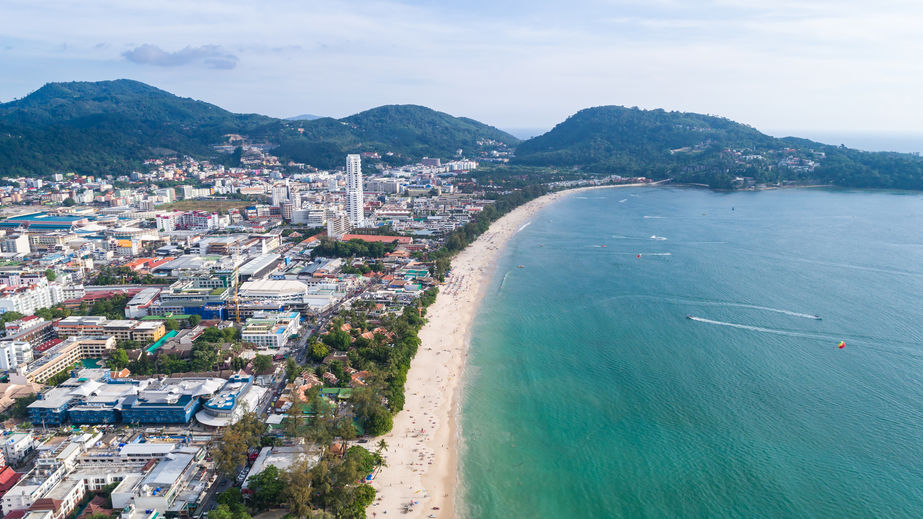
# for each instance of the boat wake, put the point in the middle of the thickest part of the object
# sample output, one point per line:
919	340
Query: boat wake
758	328
502	281
729	304
654	217
776	310
659	238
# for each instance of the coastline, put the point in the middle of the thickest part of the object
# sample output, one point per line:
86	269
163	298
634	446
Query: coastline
422	447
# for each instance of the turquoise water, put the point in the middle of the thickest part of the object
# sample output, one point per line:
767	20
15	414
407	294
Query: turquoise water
590	394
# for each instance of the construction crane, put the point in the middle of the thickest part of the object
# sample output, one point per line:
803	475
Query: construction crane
235	278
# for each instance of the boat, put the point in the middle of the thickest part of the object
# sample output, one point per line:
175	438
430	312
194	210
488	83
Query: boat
520	266
817	317
688	316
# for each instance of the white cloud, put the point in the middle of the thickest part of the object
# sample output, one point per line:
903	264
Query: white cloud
784	63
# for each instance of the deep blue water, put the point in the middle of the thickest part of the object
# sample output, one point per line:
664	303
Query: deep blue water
590	394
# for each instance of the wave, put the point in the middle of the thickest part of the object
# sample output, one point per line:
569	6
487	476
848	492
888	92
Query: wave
524	225
654	217
622	201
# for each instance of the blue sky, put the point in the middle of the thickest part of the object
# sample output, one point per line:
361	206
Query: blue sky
783	64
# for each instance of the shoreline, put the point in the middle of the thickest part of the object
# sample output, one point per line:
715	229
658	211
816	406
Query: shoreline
422	452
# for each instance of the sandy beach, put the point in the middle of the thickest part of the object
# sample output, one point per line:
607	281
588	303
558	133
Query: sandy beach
421	456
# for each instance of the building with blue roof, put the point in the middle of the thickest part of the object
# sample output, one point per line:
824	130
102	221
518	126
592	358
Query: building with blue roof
42	221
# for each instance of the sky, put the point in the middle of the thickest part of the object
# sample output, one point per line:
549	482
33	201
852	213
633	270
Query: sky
782	66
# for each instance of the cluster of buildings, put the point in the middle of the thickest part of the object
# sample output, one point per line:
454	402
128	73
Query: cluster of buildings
240	250
95	396
149	475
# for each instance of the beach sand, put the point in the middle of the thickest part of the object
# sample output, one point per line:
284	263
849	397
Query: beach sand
422	455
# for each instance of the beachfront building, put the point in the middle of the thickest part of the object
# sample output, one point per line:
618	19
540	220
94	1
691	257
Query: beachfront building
355	204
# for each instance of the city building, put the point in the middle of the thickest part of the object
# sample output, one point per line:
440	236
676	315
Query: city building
16	244
237	396
79	325
276	291
271	329
14	354
64	355
171	400
355	203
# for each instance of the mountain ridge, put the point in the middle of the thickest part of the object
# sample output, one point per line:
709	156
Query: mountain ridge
112	126
717	151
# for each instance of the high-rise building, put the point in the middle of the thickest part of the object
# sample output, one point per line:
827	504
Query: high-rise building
354	201
279	195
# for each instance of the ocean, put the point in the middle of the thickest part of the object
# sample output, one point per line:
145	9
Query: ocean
589	393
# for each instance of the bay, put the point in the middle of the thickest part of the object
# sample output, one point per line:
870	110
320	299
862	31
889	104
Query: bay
589	393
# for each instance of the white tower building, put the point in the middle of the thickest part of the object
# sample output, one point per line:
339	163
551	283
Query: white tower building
354	201
279	195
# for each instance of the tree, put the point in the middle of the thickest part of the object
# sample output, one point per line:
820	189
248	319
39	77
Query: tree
229	450
20	408
171	324
50	275
221	511
194	320
118	360
292	370
299	488
319	351
8	317
262	363
69	202
267	486
230	497
338	340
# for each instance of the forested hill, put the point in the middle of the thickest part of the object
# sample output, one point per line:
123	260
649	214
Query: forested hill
699	148
408	130
107	126
112	126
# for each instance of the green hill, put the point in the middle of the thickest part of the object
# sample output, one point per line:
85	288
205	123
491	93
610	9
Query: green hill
107	126
691	147
410	131
112	126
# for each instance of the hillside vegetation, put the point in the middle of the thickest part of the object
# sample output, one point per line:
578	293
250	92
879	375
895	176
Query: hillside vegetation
112	126
691	147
